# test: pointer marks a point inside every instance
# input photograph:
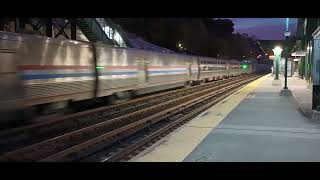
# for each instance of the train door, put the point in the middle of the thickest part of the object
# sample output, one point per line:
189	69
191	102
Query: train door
199	69
11	91
189	72
142	70
228	68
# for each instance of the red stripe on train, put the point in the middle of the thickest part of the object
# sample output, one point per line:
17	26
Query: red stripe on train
51	67
63	67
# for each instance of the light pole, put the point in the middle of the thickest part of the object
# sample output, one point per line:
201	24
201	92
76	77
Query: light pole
287	34
277	56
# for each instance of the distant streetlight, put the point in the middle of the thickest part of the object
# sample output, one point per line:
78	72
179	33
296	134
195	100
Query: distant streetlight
277	54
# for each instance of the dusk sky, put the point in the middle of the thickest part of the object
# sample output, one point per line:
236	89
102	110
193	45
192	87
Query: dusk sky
264	28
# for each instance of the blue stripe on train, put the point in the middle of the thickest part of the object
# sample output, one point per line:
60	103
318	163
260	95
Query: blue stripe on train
49	76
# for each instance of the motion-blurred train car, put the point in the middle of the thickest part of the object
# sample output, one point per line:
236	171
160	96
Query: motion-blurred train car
43	73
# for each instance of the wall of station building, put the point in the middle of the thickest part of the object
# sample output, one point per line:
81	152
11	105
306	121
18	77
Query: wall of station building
305	43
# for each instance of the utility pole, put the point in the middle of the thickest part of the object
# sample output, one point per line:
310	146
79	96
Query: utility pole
287	34
48	22
285	91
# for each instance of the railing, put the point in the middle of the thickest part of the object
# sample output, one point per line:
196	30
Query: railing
111	32
98	31
105	27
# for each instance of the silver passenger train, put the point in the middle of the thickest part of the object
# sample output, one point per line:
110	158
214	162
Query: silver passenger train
40	71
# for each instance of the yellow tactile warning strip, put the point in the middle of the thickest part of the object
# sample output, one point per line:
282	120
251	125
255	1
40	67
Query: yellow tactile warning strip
179	144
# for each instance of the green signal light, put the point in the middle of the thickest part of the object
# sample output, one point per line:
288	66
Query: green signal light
244	66
99	67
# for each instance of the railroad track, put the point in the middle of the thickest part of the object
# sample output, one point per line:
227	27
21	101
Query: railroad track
76	140
30	134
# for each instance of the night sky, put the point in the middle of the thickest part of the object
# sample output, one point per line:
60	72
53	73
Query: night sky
264	28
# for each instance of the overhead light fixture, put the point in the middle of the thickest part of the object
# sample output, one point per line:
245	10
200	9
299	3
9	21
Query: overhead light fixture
277	50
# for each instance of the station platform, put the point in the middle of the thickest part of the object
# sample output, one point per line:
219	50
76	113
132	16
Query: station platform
255	124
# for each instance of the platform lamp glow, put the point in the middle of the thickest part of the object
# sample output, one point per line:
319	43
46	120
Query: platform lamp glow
277	56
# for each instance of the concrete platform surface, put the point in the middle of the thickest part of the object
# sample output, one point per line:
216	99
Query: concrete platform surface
264	127
301	92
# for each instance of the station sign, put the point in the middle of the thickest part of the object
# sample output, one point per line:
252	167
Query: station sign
298	53
316	33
